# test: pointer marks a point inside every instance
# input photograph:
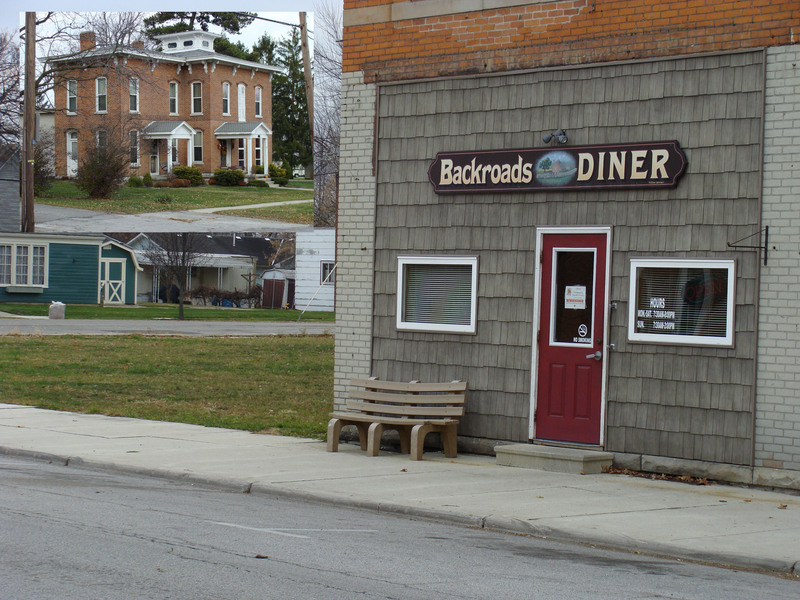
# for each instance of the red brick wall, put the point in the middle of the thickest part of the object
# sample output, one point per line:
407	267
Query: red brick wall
558	33
154	106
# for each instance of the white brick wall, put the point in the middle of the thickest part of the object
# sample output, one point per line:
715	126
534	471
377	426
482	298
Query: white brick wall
777	435
356	234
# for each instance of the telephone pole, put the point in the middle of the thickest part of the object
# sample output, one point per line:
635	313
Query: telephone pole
29	123
308	76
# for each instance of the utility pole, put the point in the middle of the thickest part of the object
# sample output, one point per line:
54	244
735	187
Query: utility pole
29	123
307	72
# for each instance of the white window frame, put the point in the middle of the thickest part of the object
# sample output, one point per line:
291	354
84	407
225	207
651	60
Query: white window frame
241	156
101	137
684	340
197	97
98	95
34	273
226	98
72	94
257	94
173	86
404	261
133	82
327	268
241	99
195	146
257	151
134	143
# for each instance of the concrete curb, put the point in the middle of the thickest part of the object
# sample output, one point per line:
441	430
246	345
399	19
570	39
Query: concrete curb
491	522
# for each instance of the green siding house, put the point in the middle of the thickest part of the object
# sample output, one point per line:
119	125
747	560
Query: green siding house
65	268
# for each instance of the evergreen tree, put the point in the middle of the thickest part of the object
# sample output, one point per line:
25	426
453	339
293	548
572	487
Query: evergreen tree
173	22
290	125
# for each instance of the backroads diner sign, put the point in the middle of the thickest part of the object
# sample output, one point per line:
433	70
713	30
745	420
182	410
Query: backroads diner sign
625	166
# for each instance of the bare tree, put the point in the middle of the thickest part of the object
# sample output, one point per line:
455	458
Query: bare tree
174	255
10	91
327	106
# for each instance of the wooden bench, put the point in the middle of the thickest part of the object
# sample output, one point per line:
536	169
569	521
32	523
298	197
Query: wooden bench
412	409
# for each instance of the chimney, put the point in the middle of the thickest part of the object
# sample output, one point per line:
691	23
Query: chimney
138	44
88	40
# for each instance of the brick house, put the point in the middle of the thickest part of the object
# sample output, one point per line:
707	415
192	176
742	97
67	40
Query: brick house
184	104
642	300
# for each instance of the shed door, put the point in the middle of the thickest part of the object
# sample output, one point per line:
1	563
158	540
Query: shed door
113	281
571	352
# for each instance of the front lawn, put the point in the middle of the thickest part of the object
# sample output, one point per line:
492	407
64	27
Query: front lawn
289	213
168	311
266	384
141	200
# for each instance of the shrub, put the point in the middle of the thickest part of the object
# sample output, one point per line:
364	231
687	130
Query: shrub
147	180
278	175
103	171
181	183
257	183
163	198
135	181
193	174
287	168
228	177
259	169
212	181
162	184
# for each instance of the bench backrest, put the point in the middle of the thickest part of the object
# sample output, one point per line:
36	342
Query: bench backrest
410	400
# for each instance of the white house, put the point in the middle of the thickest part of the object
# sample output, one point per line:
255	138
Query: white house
315	269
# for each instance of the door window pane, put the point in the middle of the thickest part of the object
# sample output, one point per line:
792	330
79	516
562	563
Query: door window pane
573	297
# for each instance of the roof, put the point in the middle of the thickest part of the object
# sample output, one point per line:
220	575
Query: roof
160	129
242	128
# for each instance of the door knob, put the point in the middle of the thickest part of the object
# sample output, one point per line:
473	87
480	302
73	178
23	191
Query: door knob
597	355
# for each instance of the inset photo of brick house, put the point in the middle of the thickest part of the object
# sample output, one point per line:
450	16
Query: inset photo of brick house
183	104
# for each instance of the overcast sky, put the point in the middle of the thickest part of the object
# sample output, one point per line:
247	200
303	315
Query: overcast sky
10	15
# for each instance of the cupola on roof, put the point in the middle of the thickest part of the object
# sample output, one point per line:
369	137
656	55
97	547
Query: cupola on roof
186	40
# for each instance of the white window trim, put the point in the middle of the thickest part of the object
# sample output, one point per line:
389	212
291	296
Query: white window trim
194	146
403	261
97	95
191	89
241	102
169	90
226	98
97	138
28	284
75	82
257	95
138	105
331	270
685	340
138	148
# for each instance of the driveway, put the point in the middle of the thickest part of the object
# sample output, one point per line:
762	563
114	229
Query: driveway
57	219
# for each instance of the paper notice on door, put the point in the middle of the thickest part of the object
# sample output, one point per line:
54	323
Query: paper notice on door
575	297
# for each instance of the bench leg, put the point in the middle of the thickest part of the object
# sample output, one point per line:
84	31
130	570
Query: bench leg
362	434
405	439
374	439
418	434
334	431
450	440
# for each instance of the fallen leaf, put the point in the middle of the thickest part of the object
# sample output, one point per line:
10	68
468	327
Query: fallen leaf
261	556
783	506
404	470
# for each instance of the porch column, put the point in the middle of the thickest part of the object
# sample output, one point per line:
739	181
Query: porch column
190	152
169	155
248	143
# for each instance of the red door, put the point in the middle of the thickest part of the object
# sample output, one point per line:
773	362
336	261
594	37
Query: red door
571	351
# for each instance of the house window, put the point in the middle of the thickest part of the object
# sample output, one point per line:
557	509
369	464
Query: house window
198	147
134	140
682	301
258	101
226	98
437	293
197	98
257	146
173	97
101	86
241	107
133	94
22	264
327	272
174	149
102	138
241	153
72	96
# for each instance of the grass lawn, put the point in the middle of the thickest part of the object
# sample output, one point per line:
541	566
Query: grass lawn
162	311
141	200
267	384
301	183
289	213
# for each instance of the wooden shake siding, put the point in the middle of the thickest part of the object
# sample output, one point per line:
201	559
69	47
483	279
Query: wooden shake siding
679	401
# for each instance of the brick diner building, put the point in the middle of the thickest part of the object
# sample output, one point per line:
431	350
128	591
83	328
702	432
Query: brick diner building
587	209
181	105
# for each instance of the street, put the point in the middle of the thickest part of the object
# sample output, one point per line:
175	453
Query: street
73	533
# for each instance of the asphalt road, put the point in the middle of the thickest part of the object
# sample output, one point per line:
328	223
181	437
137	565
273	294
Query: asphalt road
72	533
45	326
56	219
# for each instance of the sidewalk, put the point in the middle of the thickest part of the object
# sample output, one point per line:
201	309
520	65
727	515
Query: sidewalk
720	524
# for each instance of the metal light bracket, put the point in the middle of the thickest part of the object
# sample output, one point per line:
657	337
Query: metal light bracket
765	247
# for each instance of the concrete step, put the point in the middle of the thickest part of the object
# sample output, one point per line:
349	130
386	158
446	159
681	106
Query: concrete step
553	458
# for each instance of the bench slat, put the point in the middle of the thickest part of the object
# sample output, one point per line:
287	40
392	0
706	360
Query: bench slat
421	412
411	399
398	386
345	416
